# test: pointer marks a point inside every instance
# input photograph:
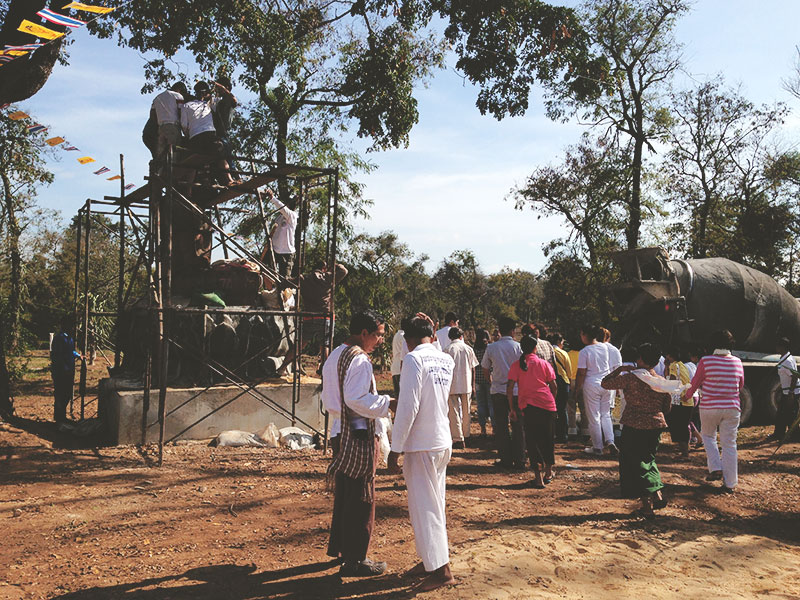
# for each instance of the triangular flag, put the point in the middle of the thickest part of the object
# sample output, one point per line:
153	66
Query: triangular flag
85	160
38	31
17	115
64	21
54	141
115	177
36	128
4	106
130	186
70	148
24	47
102	170
100	10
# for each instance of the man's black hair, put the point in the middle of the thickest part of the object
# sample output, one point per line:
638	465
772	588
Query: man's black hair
201	88
449	317
649	354
404	323
506	325
180	87
673	351
455	333
419	328
722	339
529	329
366	319
224	81
556	338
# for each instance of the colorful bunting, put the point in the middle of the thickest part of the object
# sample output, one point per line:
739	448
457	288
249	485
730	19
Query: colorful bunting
24	47
85	160
14	52
36	128
130	186
69	148
17	115
55	141
38	30
100	10
114	177
64	21
4	106
5	59
102	170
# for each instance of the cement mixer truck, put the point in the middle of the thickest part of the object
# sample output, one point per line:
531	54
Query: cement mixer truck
683	301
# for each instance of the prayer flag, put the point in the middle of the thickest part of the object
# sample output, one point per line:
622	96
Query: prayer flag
4	106
14	52
130	185
69	148
115	177
24	47
36	128
102	170
54	17
54	141
85	160
6	59
100	10
38	30
17	115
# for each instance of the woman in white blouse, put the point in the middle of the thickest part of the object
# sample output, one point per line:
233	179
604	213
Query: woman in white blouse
594	363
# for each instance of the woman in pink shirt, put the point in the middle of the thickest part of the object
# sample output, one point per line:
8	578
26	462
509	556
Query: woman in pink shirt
536	382
720	378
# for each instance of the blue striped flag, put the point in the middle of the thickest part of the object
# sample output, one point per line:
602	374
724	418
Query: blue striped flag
130	186
36	128
24	47
54	17
102	170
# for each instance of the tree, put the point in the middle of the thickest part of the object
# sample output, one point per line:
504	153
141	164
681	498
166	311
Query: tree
715	176
22	170
461	287
609	63
584	191
23	77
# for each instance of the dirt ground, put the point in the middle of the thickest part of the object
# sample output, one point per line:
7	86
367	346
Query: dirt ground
81	522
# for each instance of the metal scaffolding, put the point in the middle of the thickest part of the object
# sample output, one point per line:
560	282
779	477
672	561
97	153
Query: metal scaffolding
144	230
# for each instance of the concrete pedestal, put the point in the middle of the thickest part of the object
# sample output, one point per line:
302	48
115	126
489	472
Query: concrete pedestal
121	410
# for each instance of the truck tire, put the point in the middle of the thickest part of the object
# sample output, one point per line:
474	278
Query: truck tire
771	397
746	405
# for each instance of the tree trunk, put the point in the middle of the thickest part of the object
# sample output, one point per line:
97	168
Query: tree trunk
6	405
12	244
635	205
22	78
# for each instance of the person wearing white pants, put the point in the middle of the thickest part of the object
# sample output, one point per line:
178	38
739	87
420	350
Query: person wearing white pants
594	363
720	378
422	433
726	421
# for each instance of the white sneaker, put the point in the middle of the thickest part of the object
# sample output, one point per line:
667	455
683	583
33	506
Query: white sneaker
593	451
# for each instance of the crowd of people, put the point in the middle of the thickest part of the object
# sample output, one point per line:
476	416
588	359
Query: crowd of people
530	392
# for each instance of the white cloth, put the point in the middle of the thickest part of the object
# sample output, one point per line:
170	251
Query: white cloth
166	107
498	358
785	375
358	381
595	358
660	367
614	356
283	236
597	402
672	387
426	479
726	421
196	118
422	422
459	416
465	361
399	350
442	335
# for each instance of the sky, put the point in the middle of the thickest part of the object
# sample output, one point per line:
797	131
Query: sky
448	189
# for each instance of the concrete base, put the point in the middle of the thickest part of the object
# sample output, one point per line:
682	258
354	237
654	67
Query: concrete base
121	410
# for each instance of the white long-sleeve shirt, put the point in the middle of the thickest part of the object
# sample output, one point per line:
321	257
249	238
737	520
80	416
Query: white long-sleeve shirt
421	422
196	118
167	107
358	381
399	350
443	337
283	236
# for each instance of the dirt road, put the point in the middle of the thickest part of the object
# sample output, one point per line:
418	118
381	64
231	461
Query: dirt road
219	523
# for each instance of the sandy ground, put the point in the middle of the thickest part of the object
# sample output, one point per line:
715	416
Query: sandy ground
91	523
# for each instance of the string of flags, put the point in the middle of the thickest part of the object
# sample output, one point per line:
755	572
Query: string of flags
42	32
62	143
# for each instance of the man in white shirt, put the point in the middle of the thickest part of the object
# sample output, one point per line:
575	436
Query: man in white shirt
347	375
282	238
496	363
197	121
399	350
442	334
790	390
422	434
461	388
166	107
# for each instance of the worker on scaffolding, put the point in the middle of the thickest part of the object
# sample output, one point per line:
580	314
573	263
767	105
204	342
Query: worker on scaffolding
282	236
163	129
222	108
197	121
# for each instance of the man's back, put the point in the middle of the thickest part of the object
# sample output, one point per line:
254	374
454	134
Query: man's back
196	118
499	356
316	288
422	422
166	107
464	361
